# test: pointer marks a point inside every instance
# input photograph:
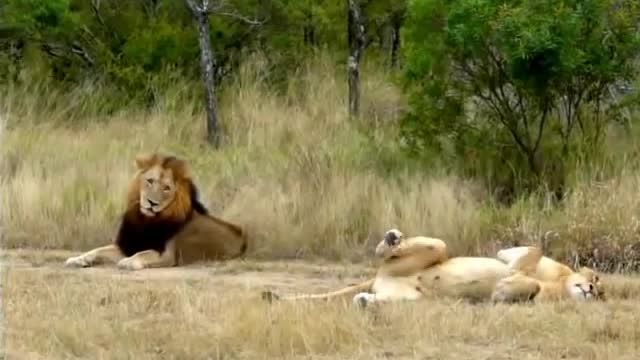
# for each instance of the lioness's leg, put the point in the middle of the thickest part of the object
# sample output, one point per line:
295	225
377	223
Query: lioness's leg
526	262
510	254
436	248
149	259
515	288
410	255
364	299
367	298
109	253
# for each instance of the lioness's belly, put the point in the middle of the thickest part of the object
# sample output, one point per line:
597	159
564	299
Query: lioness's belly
470	277
395	288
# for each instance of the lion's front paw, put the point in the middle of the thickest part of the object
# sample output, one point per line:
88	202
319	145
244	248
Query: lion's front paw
130	263
77	261
363	299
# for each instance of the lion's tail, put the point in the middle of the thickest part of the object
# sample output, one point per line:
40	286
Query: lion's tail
364	286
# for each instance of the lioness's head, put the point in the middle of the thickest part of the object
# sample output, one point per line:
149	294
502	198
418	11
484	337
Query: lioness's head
580	287
592	276
160	184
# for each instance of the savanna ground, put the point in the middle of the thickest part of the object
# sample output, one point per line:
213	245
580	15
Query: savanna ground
315	191
214	312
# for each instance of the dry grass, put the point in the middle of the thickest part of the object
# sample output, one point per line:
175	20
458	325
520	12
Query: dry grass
295	171
306	182
214	312
597	225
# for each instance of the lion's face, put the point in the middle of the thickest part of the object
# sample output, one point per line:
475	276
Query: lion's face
157	190
161	189
580	287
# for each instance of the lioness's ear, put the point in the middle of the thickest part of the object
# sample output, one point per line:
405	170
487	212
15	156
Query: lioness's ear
588	272
143	161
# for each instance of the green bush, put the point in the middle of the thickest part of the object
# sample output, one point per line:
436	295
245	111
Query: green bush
512	89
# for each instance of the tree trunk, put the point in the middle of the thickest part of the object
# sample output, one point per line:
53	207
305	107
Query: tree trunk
309	30
396	23
200	11
356	33
385	38
207	68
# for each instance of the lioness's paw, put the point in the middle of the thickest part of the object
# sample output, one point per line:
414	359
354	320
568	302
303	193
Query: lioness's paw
363	299
130	263
77	261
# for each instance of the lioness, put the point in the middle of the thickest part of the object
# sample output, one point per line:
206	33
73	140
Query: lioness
419	267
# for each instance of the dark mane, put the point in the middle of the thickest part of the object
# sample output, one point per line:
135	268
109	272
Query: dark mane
195	200
138	232
201	209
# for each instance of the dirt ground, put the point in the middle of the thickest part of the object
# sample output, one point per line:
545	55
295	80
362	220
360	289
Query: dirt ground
214	311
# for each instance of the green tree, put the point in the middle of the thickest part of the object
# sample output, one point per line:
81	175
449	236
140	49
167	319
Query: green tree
123	42
482	72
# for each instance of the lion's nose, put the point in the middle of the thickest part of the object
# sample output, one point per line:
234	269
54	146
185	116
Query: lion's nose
152	203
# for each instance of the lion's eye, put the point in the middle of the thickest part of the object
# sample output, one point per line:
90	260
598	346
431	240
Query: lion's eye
167	188
149	181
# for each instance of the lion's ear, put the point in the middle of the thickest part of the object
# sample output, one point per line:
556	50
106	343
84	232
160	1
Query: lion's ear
143	161
178	166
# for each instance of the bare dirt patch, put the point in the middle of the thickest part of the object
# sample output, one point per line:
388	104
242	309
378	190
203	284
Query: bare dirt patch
294	275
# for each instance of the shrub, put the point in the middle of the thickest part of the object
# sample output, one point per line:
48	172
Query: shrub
517	84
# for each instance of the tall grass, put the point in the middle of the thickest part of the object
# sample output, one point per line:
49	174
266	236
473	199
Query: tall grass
303	178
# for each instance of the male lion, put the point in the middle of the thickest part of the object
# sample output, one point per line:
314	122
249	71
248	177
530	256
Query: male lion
164	223
419	267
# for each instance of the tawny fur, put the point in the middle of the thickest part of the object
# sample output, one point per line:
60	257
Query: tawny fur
556	279
419	267
164	223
